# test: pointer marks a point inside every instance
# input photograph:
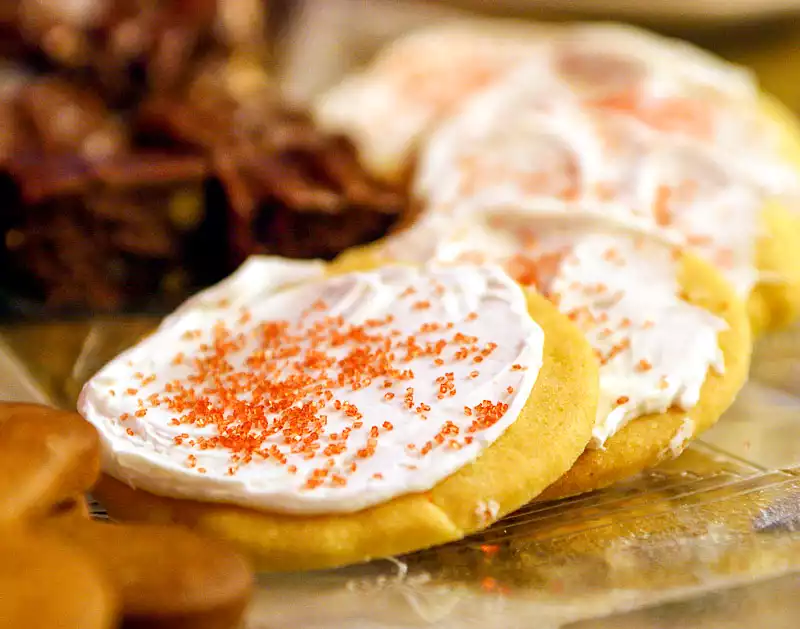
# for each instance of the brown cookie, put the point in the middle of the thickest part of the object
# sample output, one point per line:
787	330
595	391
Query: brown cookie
166	576
46	584
47	456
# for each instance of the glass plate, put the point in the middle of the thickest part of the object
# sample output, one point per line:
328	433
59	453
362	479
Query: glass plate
709	540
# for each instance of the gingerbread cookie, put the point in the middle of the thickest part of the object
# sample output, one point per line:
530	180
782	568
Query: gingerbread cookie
46	457
376	412
46	583
60	568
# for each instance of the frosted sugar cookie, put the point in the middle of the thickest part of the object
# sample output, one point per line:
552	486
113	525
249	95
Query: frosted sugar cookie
341	419
775	301
642	129
670	334
538	145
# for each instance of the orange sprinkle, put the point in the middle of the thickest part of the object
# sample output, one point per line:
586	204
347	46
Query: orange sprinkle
489	584
624	399
130	432
643	365
489	549
388	396
661	210
131	391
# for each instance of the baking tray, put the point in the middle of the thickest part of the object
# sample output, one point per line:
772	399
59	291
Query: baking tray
709	540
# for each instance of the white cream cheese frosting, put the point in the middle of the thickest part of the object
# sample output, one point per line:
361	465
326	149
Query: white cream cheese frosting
313	396
619	287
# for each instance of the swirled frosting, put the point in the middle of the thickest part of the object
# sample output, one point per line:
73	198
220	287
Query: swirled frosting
319	395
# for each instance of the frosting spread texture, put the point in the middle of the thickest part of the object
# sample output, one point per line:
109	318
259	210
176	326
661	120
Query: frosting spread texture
620	288
319	395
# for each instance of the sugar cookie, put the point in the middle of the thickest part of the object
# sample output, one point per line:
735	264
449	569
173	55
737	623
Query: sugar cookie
605	118
670	334
440	378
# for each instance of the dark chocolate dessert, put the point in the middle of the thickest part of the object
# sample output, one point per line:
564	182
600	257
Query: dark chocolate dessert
87	221
145	153
291	189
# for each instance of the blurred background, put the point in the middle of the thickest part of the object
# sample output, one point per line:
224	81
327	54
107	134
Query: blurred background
148	146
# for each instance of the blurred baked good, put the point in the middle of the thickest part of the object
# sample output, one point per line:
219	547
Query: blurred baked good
144	152
126	49
60	569
290	189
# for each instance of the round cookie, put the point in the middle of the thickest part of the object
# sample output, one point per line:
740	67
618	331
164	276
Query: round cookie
47	456
775	300
558	416
401	80
646	441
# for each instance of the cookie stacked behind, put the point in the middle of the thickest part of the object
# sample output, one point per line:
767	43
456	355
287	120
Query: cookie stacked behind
61	569
598	165
735	149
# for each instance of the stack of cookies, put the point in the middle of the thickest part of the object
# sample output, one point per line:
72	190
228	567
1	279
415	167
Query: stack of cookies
144	153
604	220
